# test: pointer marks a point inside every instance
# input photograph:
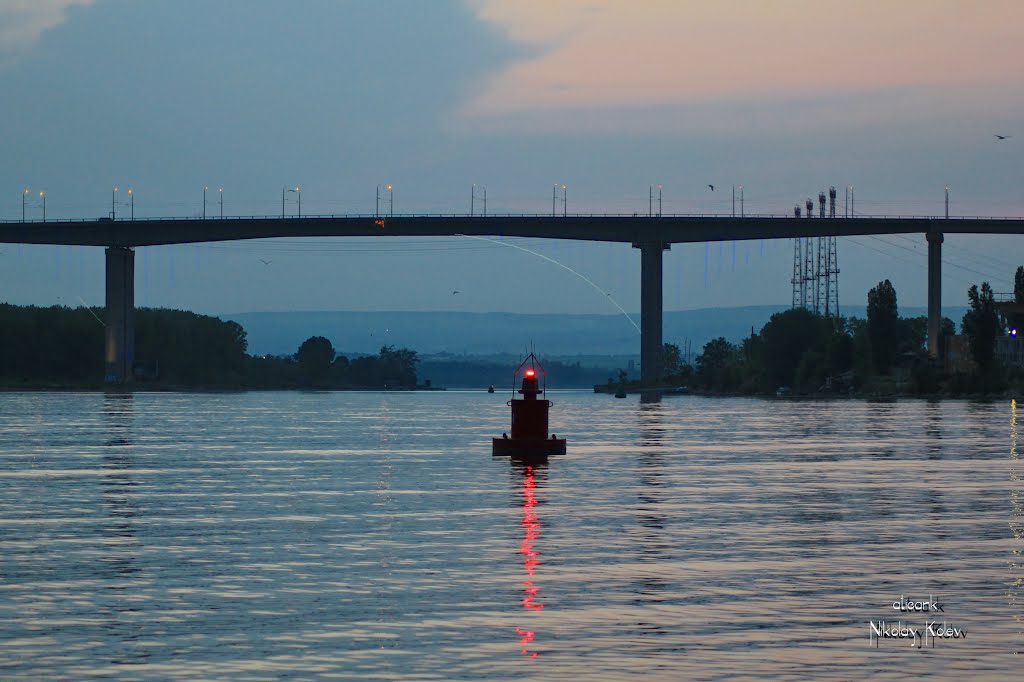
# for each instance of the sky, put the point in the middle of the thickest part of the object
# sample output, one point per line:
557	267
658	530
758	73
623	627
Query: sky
447	99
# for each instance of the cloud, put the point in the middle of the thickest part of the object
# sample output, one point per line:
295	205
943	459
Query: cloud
618	56
22	22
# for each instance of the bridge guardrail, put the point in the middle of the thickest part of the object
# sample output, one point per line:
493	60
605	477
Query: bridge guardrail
497	216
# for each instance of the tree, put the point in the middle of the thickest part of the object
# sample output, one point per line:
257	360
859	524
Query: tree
671	360
981	325
785	339
716	365
1016	320
397	367
315	356
883	325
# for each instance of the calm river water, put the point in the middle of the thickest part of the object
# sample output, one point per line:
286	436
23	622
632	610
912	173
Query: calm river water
368	536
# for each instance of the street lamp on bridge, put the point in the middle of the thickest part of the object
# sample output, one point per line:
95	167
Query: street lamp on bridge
205	188
23	195
113	204
42	195
947	202
650	200
298	192
472	200
220	191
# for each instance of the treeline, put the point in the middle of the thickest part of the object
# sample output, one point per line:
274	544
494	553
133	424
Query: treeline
60	346
316	364
480	373
802	352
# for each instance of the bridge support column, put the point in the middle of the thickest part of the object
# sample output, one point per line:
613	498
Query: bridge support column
934	291
119	351
650	310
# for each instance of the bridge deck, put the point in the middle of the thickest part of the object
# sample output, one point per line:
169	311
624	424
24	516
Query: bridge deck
627	229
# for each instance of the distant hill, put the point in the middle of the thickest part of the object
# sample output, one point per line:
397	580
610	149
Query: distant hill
281	333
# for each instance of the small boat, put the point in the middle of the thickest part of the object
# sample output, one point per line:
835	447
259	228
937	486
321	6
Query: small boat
530	439
620	393
490	389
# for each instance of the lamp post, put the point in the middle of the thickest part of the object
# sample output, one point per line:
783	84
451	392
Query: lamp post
741	202
284	191
565	201
113	204
659	201
131	201
23	195
947	202
472	201
391	200
205	188
42	195
554	196
220	191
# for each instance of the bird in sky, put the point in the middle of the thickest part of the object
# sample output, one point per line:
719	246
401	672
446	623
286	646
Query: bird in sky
1002	137
712	187
455	292
265	262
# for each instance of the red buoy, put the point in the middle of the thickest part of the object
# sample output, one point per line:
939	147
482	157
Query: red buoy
529	437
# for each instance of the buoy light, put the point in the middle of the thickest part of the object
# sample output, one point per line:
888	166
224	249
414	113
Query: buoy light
1013	331
530	373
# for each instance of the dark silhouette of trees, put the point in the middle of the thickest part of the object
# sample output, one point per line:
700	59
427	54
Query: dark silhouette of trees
671	360
883	325
315	356
51	345
1016	320
981	324
717	366
178	347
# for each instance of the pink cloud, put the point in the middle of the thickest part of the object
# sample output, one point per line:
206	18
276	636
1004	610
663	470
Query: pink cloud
614	55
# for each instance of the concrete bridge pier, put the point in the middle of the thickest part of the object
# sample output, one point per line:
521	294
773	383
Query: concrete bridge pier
934	291
651	279
119	351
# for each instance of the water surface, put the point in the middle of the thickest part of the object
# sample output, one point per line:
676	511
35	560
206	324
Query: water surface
372	536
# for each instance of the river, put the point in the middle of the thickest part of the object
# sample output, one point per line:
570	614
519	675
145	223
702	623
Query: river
362	536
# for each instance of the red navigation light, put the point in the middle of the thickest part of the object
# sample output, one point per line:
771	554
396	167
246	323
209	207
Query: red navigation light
530	373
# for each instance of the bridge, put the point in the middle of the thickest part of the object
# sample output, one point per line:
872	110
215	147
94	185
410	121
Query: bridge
651	235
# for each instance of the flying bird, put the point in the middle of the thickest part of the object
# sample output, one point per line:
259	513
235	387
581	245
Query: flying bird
1002	137
265	262
455	292
712	187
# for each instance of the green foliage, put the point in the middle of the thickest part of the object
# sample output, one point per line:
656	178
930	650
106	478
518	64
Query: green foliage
981	324
1017	319
183	348
314	357
883	325
717	366
671	360
51	345
785	339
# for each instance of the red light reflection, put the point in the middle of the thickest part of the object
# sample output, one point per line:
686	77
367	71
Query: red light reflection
531	524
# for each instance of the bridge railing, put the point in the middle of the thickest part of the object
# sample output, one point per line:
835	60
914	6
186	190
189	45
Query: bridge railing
495	216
